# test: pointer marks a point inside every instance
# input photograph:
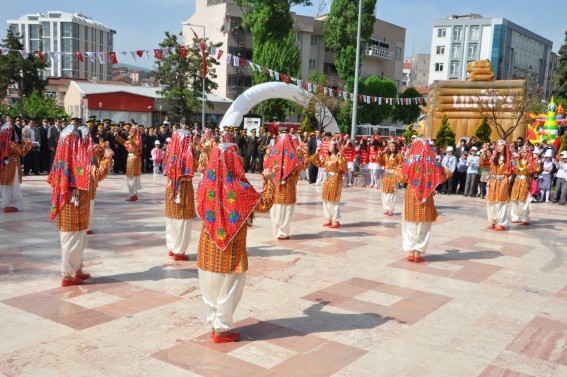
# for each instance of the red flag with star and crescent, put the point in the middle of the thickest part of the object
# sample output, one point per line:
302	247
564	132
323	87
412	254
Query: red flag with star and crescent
202	46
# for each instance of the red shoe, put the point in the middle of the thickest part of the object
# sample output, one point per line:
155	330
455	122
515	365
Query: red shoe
135	197
499	228
410	257
335	226
10	209
283	238
524	223
418	260
386	212
491	226
89	232
390	213
170	253
233	337
328	223
180	257
68	283
14	209
82	276
130	199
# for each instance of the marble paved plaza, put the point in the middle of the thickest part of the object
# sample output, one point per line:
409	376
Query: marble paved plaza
324	303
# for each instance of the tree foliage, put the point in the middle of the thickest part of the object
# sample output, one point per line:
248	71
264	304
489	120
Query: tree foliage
408	133
374	113
340	32
274	45
22	74
560	79
36	105
182	78
407	113
445	136
483	131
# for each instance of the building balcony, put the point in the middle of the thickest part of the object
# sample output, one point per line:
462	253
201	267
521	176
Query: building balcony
379	52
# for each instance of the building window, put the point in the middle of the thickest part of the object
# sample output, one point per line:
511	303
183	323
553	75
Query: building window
440	50
456	51
438	67
441	33
34	31
475	33
314	40
329	68
455	69
66	29
473	51
398	53
457	33
312	64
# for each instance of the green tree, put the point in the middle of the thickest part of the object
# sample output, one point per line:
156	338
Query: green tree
274	45
445	136
182	78
408	133
483	131
22	74
407	113
560	78
374	113
36	105
340	32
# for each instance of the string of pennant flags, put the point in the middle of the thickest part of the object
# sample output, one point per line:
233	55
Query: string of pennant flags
234	60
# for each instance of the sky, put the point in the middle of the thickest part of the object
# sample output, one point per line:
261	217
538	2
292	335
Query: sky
141	24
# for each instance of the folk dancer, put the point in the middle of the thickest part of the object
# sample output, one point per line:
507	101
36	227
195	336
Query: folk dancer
524	169
391	159
499	187
287	159
422	173
134	162
181	164
11	152
226	202
70	179
335	166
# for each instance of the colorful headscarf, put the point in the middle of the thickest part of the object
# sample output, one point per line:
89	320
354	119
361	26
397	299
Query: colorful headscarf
225	197
283	157
71	168
5	140
179	159
423	170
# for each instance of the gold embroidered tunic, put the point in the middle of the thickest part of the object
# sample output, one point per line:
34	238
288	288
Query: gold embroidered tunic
333	184
13	163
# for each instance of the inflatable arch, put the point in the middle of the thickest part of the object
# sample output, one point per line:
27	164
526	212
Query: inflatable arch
273	90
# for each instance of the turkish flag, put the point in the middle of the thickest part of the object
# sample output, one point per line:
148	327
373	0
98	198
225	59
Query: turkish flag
182	51
40	55
79	56
157	54
204	55
113	59
140	53
219	54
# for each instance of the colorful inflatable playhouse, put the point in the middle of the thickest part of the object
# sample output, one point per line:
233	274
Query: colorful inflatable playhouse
545	126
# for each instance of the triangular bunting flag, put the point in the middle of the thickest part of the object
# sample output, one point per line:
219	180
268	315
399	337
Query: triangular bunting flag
219	54
182	51
165	52
24	54
91	56
54	56
157	53
140	53
79	56
40	55
101	57
112	56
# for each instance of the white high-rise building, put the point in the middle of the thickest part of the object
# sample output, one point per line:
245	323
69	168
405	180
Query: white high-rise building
67	33
514	52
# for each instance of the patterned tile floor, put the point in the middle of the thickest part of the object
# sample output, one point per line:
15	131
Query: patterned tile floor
324	303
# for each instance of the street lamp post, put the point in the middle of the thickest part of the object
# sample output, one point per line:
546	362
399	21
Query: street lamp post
100	110
356	73
203	98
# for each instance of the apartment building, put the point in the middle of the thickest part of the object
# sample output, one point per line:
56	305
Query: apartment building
64	34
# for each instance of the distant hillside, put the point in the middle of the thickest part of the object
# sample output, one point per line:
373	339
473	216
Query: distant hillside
131	67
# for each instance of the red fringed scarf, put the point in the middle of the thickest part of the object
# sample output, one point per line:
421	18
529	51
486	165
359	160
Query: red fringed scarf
179	160
284	158
423	170
225	197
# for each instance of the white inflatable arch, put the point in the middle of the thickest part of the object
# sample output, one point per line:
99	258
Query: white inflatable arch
274	90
